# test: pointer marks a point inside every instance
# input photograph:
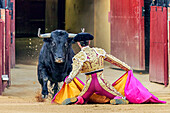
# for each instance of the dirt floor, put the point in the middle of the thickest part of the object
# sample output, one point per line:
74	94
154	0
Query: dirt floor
20	97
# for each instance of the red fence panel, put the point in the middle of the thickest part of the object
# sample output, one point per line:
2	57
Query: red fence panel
158	45
7	44
3	40
169	39
1	30
127	32
2	46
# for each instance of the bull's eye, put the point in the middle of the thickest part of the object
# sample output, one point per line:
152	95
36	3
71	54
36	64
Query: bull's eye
53	43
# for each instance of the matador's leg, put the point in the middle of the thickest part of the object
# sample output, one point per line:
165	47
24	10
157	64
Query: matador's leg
105	88
87	91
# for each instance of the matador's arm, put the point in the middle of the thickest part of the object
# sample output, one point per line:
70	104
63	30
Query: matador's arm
113	60
77	64
76	67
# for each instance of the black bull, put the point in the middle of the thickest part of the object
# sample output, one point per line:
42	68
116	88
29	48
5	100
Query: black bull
55	60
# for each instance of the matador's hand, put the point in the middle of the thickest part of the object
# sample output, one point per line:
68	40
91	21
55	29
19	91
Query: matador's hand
68	80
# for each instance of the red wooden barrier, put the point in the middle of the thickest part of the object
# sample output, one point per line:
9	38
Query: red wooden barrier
158	45
3	40
169	38
1	31
2	46
7	44
127	32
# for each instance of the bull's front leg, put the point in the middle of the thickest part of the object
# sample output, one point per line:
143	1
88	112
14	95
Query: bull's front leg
44	87
43	79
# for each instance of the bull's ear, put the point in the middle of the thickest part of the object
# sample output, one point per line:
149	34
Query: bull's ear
47	39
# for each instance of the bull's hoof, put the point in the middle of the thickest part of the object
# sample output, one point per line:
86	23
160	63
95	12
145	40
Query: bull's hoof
44	96
118	101
69	101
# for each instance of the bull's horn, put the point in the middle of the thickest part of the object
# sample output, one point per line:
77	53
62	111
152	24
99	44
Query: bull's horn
71	35
46	35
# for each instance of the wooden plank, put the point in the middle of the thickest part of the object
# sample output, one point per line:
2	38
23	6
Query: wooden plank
169	39
3	39
3	45
127	32
157	62
51	15
158	45
1	36
7	44
166	77
95	14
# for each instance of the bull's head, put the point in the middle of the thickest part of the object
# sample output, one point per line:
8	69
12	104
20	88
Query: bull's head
48	35
58	43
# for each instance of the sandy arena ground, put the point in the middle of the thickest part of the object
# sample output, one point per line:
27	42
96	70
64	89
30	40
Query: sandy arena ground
20	97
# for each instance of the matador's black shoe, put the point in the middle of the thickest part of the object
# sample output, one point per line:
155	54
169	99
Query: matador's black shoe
118	101
69	101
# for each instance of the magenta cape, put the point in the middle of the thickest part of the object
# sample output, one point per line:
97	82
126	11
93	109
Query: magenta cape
135	92
127	85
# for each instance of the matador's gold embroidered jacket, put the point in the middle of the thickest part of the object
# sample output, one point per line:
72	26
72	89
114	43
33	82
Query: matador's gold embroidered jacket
92	59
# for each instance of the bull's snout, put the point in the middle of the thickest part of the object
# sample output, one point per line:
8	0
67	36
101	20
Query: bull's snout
59	60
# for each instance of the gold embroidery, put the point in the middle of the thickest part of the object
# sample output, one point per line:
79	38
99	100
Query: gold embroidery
81	56
100	51
94	61
76	67
77	64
